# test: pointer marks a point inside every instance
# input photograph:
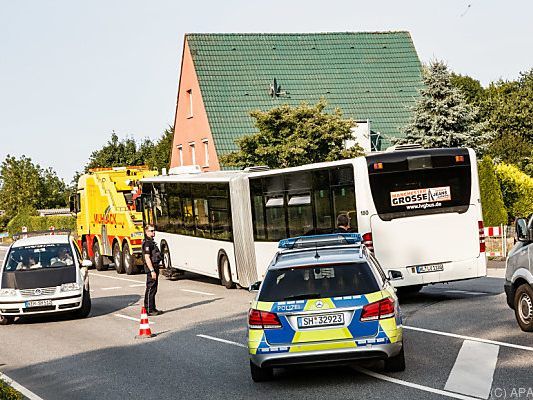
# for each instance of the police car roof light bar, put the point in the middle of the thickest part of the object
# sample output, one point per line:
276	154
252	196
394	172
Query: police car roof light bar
332	239
22	235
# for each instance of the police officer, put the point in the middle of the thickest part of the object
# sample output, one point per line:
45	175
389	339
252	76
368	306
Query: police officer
152	259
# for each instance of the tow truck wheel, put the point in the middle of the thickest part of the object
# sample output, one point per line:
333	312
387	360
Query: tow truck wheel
117	258
6	320
127	260
523	306
98	259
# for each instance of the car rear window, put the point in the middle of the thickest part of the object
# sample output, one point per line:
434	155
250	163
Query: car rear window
318	282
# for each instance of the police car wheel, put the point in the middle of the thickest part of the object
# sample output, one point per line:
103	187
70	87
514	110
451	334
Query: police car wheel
396	363
117	258
523	306
127	260
98	258
6	320
261	374
225	272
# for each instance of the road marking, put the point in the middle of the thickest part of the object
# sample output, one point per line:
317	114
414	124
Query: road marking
473	371
114	277
111	288
466	292
197	291
412	385
130	318
17	386
504	344
372	374
138	285
222	340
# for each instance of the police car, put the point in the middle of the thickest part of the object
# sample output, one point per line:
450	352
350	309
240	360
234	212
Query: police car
324	299
43	274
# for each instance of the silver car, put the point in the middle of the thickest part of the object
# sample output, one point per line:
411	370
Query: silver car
519	275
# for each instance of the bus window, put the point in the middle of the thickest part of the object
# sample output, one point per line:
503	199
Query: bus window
344	203
160	208
175	212
201	213
188	214
300	214
275	217
219	211
325	221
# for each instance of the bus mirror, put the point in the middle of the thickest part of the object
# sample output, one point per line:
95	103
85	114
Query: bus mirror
395	275
254	287
521	230
72	203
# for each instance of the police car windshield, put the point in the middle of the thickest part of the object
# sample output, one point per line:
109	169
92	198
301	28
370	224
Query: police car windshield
318	282
28	258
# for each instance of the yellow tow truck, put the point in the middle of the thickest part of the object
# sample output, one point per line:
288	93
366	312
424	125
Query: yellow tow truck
108	218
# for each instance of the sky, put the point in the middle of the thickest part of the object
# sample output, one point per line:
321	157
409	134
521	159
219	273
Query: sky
71	72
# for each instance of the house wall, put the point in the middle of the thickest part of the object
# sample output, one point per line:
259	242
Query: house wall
192	126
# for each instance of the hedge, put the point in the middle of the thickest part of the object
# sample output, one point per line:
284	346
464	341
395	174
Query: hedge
494	212
36	223
8	393
517	190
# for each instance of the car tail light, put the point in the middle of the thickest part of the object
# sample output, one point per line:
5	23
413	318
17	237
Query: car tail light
367	241
378	310
481	237
263	320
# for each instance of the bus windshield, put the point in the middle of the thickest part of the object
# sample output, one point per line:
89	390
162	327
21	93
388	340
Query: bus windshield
410	183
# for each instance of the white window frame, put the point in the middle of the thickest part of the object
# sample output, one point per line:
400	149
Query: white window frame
206	152
189	94
192	146
180	152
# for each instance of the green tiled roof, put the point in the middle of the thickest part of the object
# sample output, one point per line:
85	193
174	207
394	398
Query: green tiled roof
373	76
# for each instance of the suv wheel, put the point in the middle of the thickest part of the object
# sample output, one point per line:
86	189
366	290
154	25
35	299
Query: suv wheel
523	306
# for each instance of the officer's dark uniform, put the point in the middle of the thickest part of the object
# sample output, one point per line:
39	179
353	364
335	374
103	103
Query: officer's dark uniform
150	248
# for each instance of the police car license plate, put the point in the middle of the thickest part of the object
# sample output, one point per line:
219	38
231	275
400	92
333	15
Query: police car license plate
421	269
321	320
38	303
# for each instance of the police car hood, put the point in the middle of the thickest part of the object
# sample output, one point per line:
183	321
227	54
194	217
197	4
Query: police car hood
38	278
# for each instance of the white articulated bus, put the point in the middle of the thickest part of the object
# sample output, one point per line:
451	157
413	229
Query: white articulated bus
419	210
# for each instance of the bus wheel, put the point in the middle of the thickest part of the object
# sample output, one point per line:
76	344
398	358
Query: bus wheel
127	260
98	258
117	258
225	272
6	320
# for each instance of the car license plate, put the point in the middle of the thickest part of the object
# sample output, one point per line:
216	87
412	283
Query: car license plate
312	321
421	269
38	303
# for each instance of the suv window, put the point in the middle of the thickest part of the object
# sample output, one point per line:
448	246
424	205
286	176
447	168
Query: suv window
318	282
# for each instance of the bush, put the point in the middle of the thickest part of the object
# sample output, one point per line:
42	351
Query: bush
494	212
517	190
8	393
37	223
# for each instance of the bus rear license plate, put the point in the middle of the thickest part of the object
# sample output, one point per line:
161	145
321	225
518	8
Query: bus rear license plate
421	269
38	303
313	321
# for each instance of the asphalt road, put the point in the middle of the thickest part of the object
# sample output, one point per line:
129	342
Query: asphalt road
199	351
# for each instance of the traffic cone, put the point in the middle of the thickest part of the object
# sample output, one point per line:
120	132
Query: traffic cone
144	327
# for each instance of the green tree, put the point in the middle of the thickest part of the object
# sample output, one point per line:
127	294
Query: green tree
161	151
442	117
471	88
517	190
20	185
494	212
52	190
291	136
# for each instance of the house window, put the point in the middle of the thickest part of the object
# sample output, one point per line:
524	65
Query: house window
193	152
180	152
189	95
206	152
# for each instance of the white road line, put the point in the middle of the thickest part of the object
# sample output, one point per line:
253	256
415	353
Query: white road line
372	374
17	386
197	291
466	292
130	318
473	371
114	277
112	288
503	344
222	340
138	285
413	385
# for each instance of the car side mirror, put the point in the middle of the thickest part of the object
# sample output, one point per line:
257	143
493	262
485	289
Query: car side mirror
87	263
521	230
395	275
254	287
